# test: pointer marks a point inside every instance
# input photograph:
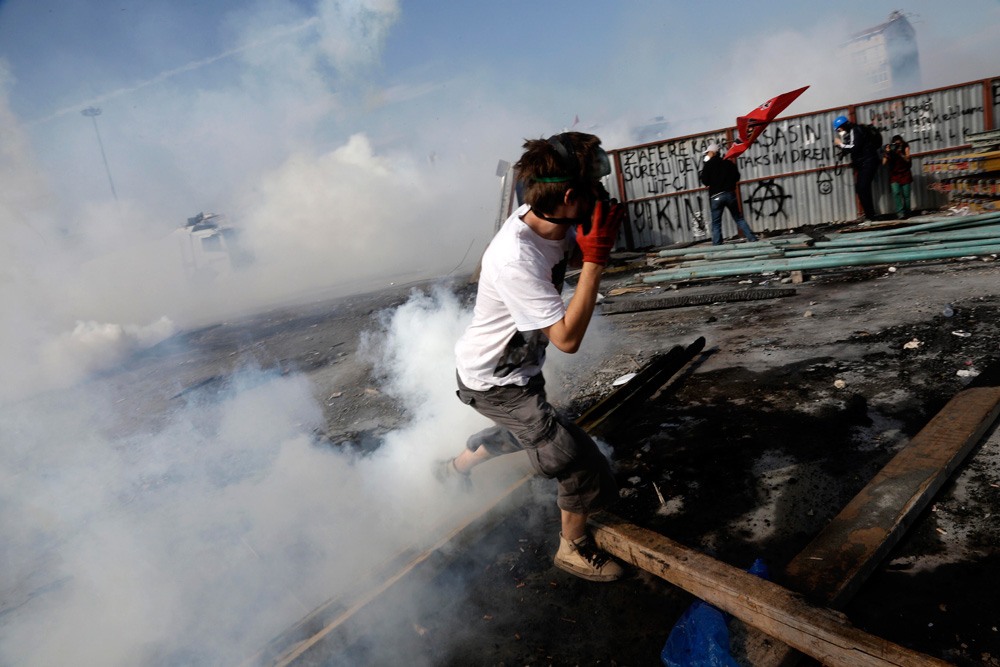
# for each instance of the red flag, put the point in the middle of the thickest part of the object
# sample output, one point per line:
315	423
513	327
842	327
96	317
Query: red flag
749	127
576	120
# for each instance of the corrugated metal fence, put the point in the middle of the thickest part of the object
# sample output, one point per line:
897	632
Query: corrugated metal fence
791	176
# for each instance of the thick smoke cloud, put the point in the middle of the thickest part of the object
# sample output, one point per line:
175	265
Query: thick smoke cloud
197	541
322	212
223	522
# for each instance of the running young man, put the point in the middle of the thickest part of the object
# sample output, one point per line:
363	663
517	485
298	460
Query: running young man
519	310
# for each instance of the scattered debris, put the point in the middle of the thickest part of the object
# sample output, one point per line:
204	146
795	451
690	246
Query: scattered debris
912	345
628	290
839	384
623	379
659	495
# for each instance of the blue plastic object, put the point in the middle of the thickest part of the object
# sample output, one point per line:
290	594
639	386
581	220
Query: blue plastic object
700	637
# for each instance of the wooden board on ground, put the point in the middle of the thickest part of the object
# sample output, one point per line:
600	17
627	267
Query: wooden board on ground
638	305
646	383
834	565
821	633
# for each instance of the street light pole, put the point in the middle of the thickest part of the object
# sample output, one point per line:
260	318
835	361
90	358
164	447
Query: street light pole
93	113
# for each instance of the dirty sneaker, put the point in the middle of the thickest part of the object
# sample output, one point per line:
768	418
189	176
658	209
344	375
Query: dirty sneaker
582	558
446	473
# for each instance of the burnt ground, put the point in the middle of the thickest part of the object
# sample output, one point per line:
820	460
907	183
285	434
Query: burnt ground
790	410
754	448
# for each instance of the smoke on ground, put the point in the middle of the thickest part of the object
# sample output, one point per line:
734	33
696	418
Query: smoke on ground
197	540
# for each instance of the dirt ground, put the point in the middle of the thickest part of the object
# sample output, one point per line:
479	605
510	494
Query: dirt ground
791	409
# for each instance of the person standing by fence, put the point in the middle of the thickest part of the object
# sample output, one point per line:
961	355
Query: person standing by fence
897	156
721	176
863	148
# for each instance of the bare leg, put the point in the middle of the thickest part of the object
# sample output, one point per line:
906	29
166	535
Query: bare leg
574	526
468	459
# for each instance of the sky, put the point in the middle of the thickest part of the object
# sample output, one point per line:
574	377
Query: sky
354	144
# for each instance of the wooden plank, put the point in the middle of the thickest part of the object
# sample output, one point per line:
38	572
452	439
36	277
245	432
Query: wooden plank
821	633
639	305
831	569
647	382
832	566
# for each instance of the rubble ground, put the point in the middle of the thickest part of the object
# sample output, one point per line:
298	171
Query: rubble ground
791	409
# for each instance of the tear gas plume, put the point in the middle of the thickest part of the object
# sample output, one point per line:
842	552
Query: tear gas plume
197	535
197	541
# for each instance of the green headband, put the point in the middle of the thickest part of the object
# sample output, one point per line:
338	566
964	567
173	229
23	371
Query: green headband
553	179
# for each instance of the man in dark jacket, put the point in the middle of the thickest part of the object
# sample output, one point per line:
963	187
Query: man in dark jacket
853	141
721	177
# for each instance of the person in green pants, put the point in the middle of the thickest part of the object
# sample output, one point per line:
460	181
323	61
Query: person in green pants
897	156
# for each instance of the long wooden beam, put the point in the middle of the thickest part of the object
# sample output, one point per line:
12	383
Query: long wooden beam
831	569
832	566
824	634
639	305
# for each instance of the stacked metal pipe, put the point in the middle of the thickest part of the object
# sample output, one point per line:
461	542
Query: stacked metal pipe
940	238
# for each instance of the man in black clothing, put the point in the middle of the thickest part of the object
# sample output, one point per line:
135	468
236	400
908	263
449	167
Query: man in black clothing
721	177
853	141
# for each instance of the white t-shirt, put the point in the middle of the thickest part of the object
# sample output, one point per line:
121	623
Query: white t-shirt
519	294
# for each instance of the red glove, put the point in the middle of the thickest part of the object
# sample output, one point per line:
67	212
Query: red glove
598	238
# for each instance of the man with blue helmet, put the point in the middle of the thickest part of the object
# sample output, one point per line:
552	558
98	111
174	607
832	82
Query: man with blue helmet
853	141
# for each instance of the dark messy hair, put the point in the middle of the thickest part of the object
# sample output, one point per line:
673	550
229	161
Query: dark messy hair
901	140
541	160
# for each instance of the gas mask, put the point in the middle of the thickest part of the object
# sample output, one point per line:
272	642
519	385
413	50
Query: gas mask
597	193
842	133
597	169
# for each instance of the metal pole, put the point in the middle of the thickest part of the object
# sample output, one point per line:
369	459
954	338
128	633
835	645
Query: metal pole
93	113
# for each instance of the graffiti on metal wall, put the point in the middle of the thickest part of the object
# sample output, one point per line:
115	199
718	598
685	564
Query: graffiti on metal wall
925	125
793	145
662	185
824	182
666	215
663	168
767	199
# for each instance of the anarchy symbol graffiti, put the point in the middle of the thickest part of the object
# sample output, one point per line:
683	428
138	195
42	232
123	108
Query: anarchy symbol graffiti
768	195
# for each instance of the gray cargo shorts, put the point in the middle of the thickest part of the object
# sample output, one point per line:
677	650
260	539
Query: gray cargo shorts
556	447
